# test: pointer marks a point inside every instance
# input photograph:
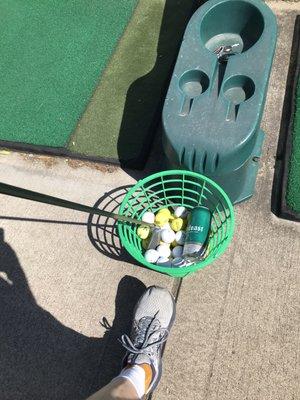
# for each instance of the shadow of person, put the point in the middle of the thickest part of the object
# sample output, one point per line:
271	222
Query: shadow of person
146	95
42	359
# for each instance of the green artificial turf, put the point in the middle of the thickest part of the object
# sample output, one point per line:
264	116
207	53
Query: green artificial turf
52	55
293	185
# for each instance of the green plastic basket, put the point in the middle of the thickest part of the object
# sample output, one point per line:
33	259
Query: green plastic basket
177	188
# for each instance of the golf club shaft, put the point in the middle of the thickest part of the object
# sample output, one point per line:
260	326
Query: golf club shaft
55	201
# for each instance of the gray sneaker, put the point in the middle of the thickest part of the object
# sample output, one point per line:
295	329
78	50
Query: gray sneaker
153	318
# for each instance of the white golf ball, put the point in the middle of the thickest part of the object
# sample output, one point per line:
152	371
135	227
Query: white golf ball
163	250
180	237
178	262
177	251
180	212
151	256
148	217
167	235
164	262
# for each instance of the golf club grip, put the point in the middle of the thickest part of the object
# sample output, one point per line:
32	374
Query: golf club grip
15	191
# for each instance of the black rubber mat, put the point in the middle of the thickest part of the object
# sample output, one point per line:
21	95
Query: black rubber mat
279	203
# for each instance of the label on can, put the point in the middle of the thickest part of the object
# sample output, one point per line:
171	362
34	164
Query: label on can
197	231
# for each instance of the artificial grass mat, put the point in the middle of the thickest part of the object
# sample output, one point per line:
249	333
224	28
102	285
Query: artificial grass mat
52	54
293	183
122	117
79	83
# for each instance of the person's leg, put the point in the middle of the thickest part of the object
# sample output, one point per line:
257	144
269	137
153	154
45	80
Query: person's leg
117	389
142	366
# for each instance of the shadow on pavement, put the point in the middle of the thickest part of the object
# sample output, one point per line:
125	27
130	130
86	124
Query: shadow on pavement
40	358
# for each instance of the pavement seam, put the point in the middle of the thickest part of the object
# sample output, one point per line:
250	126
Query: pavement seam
222	312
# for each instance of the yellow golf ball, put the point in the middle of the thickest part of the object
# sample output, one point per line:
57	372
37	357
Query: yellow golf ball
161	219
177	224
165	211
143	231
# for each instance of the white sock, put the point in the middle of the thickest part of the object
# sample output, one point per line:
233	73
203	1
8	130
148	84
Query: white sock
136	375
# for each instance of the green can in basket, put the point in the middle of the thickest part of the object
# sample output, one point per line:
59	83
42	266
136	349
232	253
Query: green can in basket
178	188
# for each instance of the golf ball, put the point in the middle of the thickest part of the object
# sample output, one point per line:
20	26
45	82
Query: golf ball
177	251
161	219
167	235
151	256
164	250
143	231
165	211
180	212
148	217
177	224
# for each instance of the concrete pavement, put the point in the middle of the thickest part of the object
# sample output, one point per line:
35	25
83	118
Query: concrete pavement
236	334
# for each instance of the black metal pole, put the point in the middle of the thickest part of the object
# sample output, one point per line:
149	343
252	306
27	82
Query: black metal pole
55	201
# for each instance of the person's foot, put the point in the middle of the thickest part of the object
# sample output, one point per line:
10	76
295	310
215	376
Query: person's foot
153	318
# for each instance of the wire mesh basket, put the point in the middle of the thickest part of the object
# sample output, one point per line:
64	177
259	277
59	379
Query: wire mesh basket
178	188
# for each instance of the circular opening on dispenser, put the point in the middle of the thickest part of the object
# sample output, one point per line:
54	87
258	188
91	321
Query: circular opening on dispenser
232	23
193	83
238	89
